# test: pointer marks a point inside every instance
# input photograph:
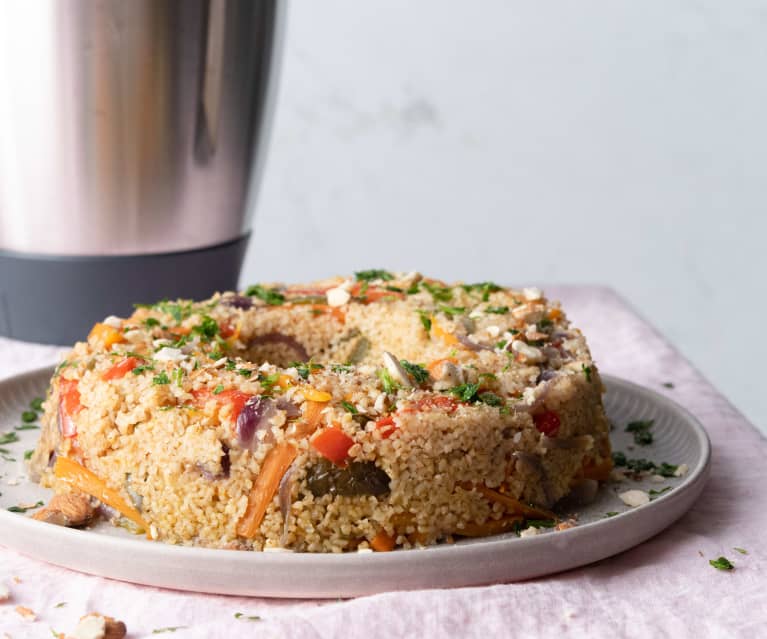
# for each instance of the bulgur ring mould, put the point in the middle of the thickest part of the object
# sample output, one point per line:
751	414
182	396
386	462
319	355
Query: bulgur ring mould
375	412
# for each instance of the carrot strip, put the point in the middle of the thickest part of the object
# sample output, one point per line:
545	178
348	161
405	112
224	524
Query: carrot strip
516	506
86	481
275	465
311	420
490	527
382	542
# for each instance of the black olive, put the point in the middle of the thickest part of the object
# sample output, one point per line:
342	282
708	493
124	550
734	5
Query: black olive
358	478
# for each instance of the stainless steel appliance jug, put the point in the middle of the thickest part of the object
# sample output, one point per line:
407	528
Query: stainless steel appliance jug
132	134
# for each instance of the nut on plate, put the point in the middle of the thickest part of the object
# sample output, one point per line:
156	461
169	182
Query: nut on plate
68	509
97	626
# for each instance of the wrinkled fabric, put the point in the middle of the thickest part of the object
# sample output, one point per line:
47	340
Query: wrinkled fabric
664	587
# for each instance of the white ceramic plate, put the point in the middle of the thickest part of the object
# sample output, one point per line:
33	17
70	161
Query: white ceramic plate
112	552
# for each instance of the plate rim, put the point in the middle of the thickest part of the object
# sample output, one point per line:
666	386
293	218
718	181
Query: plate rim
675	504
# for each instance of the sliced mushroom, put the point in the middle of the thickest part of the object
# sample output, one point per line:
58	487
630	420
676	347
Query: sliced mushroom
396	370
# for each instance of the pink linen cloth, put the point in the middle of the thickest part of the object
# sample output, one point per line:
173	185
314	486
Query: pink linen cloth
664	587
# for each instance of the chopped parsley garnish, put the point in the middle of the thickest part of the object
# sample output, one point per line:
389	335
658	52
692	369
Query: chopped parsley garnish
667	470
29	416
269	295
389	385
394	289
8	438
412	289
452	311
27	427
23	509
307	368
140	369
640	465
28	454
722	563
36	403
240	615
339	368
657	493
640	428
612	513
439	293
150	322
587	372
425	320
491	399
216	355
178	376
416	371
230	365
268	381
541	523
245	372
349	407
497	310
160	380
742	551
218	389
178	311
484	288
207	329
502	344
465	392
373	274
545	323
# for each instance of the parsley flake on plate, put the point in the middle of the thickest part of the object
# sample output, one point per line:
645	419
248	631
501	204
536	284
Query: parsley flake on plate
722	563
240	615
640	428
25	508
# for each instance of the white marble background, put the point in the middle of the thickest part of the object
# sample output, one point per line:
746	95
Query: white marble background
614	142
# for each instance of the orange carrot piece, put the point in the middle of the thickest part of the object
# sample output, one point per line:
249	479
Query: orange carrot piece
516	506
333	444
382	542
490	527
105	334
69	406
314	395
311	419
86	481
122	368
440	332
275	465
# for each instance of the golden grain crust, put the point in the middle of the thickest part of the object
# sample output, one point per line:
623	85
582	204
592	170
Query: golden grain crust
172	450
